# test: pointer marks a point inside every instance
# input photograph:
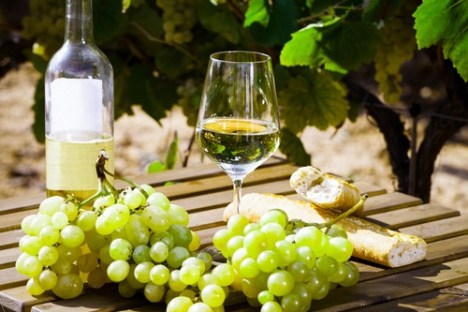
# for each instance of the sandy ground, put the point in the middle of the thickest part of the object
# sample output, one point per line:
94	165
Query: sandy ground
356	150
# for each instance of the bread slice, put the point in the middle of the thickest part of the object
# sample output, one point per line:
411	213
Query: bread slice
371	242
325	190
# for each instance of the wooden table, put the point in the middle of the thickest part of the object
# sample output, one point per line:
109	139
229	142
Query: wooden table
440	283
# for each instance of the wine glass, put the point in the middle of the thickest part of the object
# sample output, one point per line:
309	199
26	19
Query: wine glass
238	122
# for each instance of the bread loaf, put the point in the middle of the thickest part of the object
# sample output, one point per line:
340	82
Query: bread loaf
371	242
324	190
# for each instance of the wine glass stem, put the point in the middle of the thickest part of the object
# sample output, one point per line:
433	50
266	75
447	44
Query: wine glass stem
237	193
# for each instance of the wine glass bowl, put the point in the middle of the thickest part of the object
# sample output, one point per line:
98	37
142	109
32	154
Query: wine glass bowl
238	123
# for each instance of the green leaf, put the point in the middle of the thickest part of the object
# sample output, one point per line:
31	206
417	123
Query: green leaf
444	22
126	5
292	147
172	153
108	20
155	167
172	62
302	49
350	43
313	99
39	111
283	21
220	20
257	12
147	19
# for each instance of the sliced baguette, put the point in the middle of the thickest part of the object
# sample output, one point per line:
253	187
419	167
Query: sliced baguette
371	242
325	190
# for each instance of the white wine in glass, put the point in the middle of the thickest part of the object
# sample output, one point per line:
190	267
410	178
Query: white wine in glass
238	123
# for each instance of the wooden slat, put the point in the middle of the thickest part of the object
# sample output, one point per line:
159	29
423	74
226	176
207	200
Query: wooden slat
8	257
370	189
440	229
413	215
9	205
18	299
10	239
389	202
11	278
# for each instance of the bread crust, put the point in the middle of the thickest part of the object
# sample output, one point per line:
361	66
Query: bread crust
325	190
371	242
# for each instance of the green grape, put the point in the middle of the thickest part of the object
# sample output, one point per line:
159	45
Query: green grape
176	256
164	237
267	261
174	281
103	225
29	265
120	249
178	215
327	265
68	286
126	290
156	218
213	295
206	258
88	262
49	235
265	296
118	215
291	302
133	199
309	236
30	244
51	205
159	274
304	293
69	254
195	242
26	224
197	262
339	275
118	270
47	279
59	220
141	253
48	255
286	252
233	244
306	255
337	231
179	304
34	287
300	271
224	274
159	252
86	220
132	280
280	283
96	241
71	236
97	278
271	306
239	256
148	190
339	248
40	221
70	209
220	239
182	235
62	266
142	271
160	200
273	233
237	223
251	227
249	268
206	279
351	276
255	243
322	292
200	307
189	274
277	216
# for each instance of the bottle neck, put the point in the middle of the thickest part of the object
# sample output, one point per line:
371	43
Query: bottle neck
79	22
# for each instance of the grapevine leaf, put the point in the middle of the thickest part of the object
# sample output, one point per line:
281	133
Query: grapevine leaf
313	99
281	24
155	167
451	31
39	111
147	19
114	23
171	62
302	49
257	12
220	20
172	153
292	147
349	43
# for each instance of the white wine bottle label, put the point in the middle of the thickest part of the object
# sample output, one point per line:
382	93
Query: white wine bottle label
71	164
76	105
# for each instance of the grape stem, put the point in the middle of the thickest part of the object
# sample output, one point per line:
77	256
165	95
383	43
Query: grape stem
297	223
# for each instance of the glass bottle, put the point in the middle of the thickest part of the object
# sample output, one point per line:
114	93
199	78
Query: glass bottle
79	93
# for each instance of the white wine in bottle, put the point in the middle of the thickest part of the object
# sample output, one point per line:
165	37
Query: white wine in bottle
79	91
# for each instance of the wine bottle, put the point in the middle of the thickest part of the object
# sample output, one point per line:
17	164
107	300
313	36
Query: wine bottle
79	93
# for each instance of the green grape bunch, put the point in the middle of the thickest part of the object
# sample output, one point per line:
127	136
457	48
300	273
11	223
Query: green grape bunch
396	47
179	18
45	24
189	100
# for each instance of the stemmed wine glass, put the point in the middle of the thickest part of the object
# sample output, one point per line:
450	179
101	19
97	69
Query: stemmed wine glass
238	123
